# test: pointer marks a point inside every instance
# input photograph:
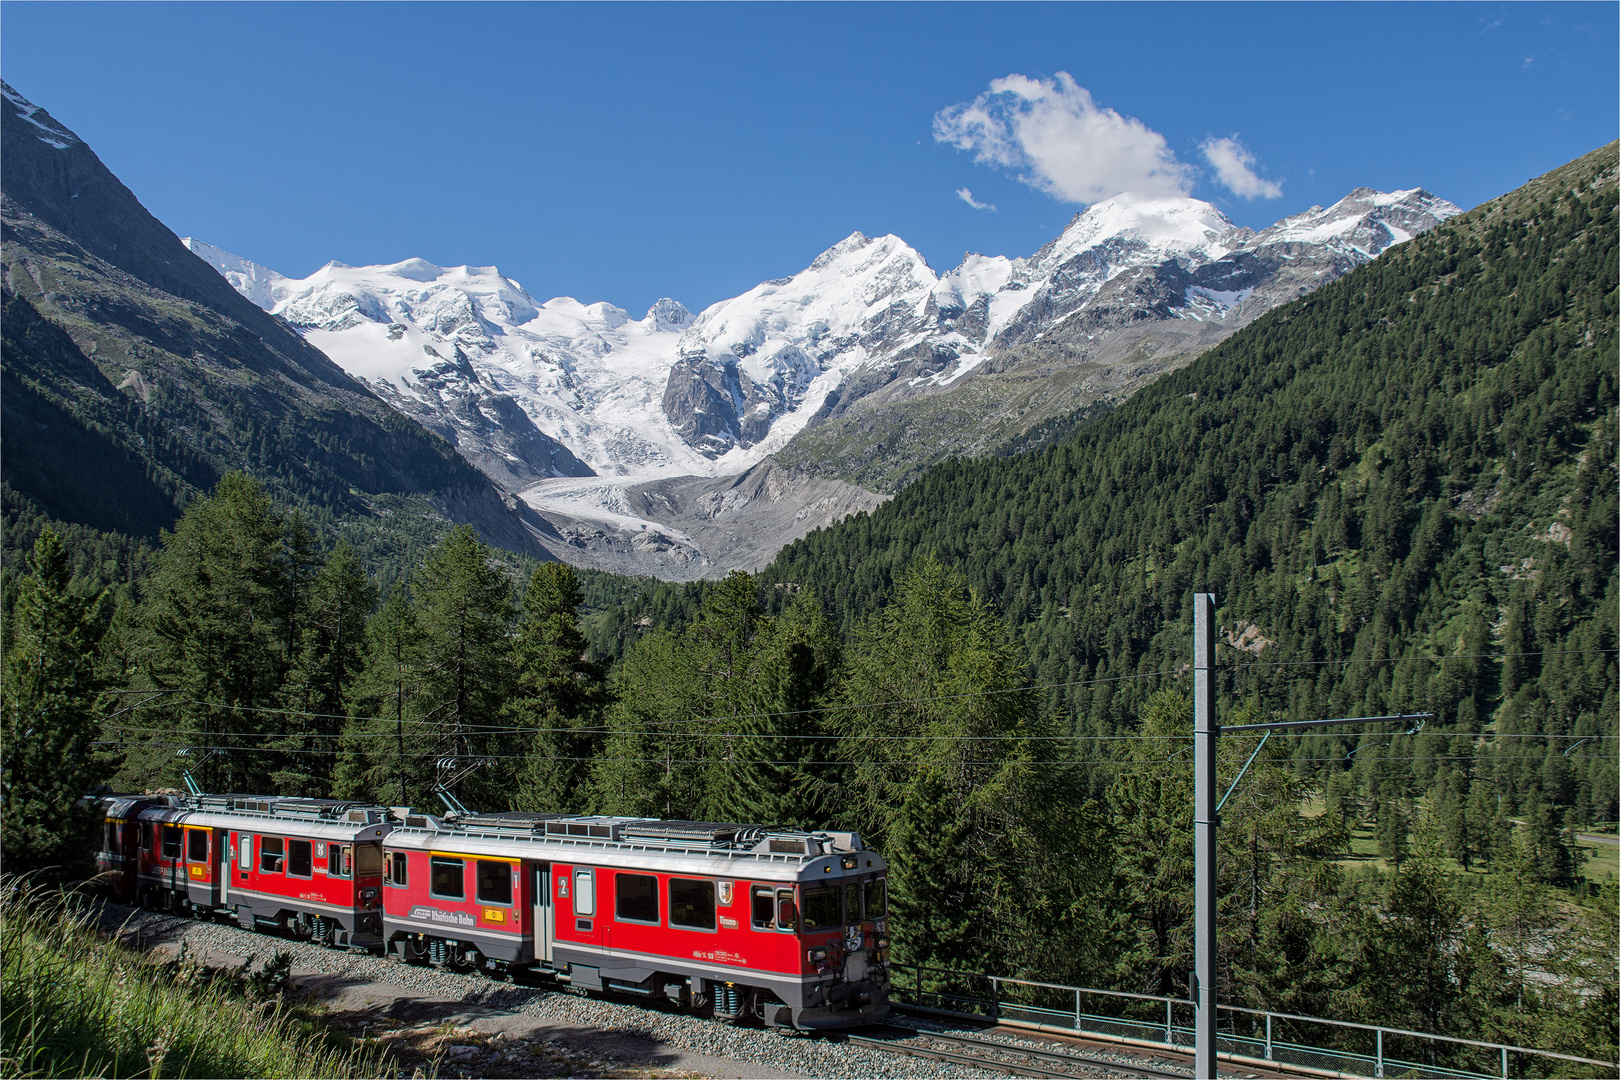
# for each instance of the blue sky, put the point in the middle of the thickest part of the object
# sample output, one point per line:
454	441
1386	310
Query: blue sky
623	152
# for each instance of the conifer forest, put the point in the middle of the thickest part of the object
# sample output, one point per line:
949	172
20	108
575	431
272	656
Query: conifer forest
1401	489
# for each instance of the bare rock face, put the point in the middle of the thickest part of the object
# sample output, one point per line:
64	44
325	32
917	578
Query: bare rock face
715	407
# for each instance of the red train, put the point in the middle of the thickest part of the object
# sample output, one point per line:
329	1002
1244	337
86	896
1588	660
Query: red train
746	921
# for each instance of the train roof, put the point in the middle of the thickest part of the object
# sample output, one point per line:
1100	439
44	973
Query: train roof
320	818
722	849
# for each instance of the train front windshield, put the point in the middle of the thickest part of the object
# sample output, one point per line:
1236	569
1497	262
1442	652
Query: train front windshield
828	906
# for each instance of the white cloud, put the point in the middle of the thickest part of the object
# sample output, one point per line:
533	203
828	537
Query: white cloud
967	196
1061	142
1234	168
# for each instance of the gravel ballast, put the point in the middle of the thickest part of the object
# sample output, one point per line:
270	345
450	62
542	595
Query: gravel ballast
483	1028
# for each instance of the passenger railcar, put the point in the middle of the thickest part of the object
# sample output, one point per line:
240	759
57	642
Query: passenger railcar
741	921
309	866
788	927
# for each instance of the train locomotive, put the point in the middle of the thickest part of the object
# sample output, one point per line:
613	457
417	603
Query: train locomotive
741	921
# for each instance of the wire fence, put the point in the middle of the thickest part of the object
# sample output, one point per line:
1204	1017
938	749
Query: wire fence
1308	1042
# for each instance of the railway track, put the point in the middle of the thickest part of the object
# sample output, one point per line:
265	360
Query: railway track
1002	1057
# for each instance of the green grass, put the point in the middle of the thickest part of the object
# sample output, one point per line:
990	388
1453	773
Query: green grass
1602	860
76	1003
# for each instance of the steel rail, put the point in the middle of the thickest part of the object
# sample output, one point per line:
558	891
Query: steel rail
1074	1061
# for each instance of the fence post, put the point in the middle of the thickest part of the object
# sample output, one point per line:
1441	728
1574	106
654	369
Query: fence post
1379	1071
1268	1036
1078	1025
1504	1063
1168	1038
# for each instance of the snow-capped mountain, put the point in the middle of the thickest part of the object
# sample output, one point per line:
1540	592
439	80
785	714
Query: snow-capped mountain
533	391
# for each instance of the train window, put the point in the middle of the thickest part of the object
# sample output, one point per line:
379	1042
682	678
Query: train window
396	868
787	911
300	858
272	854
877	898
762	907
196	845
171	841
635	898
367	860
820	908
584	893
852	902
447	877
143	836
245	862
112	838
691	903
494	882
337	860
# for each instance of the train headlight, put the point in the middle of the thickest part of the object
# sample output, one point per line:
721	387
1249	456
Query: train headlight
817	956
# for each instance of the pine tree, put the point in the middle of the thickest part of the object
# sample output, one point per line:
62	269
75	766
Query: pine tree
1391	831
1550	846
1411	947
216	625
792	665
1152	805
382	754
934	686
934	898
1518	910
50	720
1487	826
560	692
464	614
721	645
1461	844
330	655
646	767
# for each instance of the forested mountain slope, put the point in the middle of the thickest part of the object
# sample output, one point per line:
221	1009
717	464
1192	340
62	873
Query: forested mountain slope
135	376
1415	461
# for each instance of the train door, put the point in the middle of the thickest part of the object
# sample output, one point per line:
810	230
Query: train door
171	842
222	845
199	850
543	927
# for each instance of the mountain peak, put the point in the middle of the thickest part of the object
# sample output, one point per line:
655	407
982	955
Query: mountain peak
1172	224
667	314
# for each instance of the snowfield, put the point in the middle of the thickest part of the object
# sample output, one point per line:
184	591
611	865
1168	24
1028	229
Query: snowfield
672	394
